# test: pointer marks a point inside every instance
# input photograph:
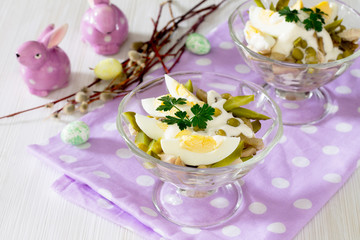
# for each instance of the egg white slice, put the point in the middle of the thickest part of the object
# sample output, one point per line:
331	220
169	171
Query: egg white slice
194	155
152	127
178	90
151	104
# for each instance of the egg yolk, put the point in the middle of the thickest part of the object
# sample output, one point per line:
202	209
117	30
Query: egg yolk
198	143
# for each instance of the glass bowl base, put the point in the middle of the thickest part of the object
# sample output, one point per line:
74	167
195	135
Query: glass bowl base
195	208
301	108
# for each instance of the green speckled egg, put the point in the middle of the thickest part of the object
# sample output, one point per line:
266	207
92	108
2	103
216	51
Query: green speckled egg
75	133
198	44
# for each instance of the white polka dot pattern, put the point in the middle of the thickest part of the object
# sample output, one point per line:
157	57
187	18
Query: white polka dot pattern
303	203
280	183
231	231
242	68
257	208
332	178
124	153
145	181
192	231
68	158
300	161
149	211
276	227
219	202
330	150
203	61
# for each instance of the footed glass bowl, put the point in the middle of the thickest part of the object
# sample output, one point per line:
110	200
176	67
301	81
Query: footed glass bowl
297	88
187	195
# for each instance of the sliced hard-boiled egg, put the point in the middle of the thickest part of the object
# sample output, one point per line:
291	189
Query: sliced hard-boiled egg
152	127
178	90
257	40
195	149
298	5
330	10
151	104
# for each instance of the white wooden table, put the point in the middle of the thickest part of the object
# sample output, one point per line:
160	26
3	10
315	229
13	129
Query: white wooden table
29	209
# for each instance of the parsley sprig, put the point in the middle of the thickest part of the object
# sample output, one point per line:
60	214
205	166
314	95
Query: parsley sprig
314	21
201	113
290	15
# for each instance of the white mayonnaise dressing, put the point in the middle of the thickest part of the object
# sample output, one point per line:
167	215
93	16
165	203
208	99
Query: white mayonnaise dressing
220	122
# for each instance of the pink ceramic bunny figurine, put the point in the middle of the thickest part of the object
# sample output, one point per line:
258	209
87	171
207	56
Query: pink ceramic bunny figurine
104	26
45	66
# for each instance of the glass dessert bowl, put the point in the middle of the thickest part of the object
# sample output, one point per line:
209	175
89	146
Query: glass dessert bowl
185	194
296	87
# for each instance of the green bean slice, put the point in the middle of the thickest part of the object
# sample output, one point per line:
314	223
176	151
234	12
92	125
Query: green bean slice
237	101
281	4
247	113
130	117
202	95
232	157
259	3
272	7
142	141
256	125
154	147
189	86
332	26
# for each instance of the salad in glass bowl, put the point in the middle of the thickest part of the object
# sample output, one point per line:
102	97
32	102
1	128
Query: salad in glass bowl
199	141
297	48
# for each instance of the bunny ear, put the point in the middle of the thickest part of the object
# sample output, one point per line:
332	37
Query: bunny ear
54	38
46	31
92	3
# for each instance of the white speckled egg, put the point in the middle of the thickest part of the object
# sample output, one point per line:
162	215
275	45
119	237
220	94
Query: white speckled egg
75	133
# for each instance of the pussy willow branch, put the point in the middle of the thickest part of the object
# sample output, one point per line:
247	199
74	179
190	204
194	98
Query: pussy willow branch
157	42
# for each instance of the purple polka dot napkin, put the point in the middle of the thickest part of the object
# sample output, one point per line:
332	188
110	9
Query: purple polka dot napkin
281	194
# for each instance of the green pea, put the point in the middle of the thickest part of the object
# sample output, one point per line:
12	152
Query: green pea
304	44
297	42
237	101
310	51
220	132
299	62
226	96
247	113
297	54
217	112
233	122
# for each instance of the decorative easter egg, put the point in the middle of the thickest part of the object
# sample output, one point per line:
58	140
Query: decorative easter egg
198	44
75	133
108	69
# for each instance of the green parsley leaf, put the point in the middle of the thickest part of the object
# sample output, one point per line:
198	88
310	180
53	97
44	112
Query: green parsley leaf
169	103
290	15
315	20
201	113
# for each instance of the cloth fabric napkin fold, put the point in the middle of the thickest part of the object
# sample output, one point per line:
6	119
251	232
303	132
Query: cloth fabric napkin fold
281	194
